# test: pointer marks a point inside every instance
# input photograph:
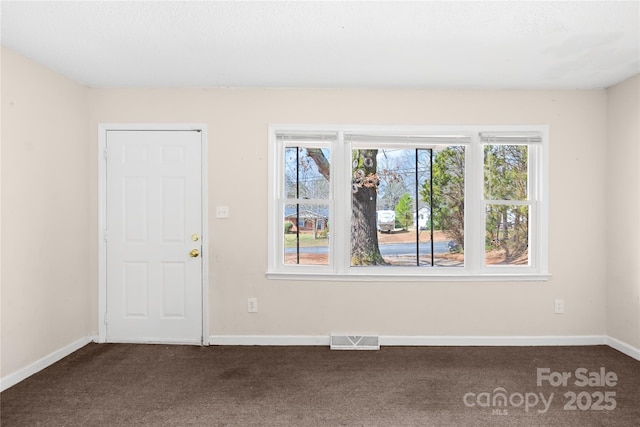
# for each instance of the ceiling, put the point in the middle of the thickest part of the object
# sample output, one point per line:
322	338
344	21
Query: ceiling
392	44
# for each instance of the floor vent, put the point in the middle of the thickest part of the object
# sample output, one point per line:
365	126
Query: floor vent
355	342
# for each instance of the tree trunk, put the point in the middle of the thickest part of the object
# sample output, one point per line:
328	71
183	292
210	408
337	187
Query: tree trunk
316	223
364	231
505	237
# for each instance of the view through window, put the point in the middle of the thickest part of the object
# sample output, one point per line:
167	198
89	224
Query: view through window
418	199
349	201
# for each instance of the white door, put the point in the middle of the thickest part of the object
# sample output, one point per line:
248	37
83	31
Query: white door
153	236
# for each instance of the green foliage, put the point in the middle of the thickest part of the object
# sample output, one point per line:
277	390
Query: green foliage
505	178
505	172
448	192
287	227
404	211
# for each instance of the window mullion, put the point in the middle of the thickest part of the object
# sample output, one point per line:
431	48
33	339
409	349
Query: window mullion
297	205
340	240
276	204
537	225
474	206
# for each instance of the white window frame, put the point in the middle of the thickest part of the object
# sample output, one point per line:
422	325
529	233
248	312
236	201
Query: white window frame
474	268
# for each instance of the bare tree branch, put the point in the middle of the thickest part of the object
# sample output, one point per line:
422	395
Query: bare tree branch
320	160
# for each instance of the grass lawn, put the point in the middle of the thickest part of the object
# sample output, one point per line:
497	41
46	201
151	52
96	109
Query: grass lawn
306	239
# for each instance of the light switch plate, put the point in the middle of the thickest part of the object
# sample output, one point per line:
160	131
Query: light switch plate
222	211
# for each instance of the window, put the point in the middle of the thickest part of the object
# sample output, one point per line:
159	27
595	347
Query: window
408	203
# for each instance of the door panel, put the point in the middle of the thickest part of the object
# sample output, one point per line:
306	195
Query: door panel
154	207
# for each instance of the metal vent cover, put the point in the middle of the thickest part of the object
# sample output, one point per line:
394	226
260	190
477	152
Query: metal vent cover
354	342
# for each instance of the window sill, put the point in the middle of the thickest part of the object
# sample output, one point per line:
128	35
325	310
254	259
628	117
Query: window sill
398	277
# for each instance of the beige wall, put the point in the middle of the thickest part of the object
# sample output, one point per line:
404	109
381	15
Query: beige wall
237	120
623	216
46	278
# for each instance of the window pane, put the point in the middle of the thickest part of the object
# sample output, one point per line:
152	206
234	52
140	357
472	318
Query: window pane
507	235
392	204
505	172
306	173
306	234
447	201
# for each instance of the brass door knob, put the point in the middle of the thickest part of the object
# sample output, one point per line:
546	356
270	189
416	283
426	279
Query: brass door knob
194	253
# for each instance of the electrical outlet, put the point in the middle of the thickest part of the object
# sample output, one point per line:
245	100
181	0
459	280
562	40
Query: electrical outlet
559	306
252	305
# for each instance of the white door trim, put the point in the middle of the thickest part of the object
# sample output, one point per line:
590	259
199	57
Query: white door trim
102	210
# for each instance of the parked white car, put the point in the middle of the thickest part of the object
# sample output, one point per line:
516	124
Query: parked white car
386	220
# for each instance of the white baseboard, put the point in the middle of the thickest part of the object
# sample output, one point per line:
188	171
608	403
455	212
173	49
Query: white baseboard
410	340
623	347
116	340
506	341
22	374
318	340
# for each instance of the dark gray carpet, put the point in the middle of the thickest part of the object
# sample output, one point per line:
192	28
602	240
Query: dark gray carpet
123	384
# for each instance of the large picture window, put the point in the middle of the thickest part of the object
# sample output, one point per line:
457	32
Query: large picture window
459	203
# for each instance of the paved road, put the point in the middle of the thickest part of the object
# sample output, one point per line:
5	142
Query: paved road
395	249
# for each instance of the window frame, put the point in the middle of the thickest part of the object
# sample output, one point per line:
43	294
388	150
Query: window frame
474	268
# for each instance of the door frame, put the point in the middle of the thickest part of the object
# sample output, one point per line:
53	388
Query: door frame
103	128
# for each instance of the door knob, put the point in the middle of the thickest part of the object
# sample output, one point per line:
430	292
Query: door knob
194	253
